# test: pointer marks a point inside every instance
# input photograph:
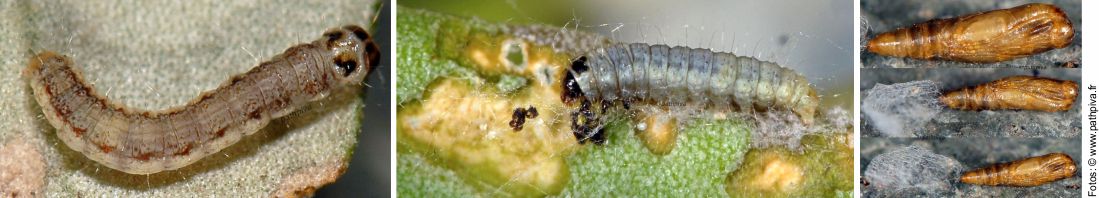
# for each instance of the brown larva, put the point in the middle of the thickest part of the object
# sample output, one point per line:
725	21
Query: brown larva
1032	171
1016	93
145	142
984	37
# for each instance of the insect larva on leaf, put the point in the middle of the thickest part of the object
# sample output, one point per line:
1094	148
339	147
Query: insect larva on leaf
144	142
1031	171
984	37
683	77
676	76
1015	93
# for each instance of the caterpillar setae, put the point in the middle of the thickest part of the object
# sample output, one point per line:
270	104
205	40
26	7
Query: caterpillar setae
1031	171
145	142
984	37
679	76
1016	93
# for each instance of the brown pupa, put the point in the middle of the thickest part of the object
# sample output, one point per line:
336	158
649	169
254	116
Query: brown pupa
1016	93
984	37
1026	172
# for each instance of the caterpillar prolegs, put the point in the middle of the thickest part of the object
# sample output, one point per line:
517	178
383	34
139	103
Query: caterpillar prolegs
678	76
144	142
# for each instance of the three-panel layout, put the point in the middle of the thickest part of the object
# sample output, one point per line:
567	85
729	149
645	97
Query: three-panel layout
499	98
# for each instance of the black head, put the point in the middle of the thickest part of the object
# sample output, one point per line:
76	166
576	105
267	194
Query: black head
353	53
572	91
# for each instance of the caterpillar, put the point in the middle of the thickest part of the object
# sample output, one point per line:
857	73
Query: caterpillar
145	142
1031	171
678	76
1015	93
983	37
